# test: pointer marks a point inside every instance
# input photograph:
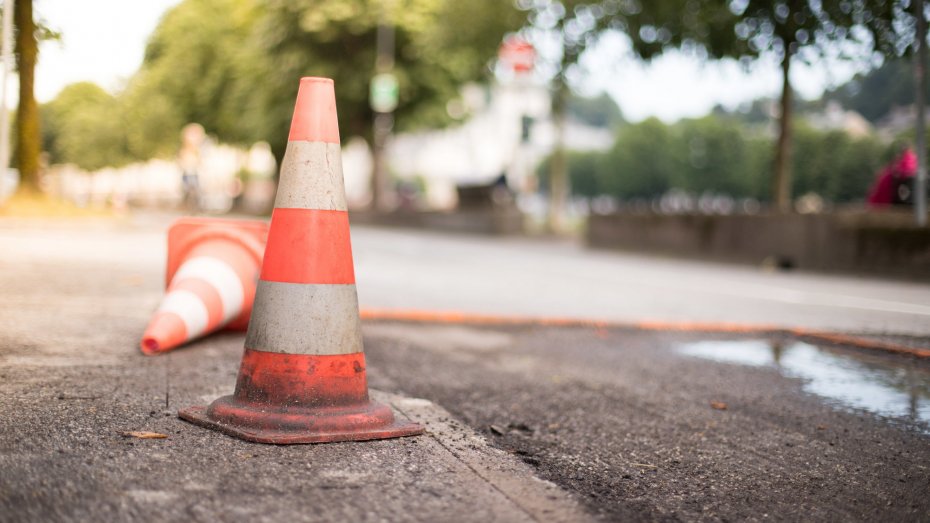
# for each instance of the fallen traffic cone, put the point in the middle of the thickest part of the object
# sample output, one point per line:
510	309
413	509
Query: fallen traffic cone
302	377
213	266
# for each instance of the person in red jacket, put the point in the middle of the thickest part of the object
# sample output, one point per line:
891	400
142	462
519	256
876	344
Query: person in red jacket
894	184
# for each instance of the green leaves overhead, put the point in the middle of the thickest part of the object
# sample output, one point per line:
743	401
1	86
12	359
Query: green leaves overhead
439	45
234	65
195	64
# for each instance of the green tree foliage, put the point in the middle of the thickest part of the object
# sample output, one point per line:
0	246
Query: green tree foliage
598	111
891	23
738	28
836	166
652	27
195	65
722	155
645	161
707	154
152	120
873	94
233	66
585	172
85	127
439	45
790	29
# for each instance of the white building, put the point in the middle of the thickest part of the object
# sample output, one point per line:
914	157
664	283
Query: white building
487	144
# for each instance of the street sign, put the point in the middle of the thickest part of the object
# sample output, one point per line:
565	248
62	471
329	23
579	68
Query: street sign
383	93
518	54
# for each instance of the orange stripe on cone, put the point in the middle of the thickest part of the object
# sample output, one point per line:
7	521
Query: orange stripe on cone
208	296
297	379
309	246
213	265
166	329
302	377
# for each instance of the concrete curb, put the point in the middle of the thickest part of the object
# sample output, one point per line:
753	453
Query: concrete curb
540	500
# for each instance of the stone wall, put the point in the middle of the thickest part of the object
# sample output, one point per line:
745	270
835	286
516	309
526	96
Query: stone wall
886	243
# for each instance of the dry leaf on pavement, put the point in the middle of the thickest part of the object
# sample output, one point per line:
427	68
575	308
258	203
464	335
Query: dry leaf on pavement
142	434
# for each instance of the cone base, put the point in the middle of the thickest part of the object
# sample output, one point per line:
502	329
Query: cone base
359	423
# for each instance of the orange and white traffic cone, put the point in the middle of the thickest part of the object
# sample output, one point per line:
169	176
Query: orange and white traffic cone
213	265
302	377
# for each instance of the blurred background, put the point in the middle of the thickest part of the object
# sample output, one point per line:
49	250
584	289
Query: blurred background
605	119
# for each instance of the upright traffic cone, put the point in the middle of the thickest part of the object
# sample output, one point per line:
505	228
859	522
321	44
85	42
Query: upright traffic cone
302	377
213	265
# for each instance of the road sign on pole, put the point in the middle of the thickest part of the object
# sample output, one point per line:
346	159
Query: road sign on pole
384	93
518	54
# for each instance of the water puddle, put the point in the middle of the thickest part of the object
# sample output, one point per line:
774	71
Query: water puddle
873	383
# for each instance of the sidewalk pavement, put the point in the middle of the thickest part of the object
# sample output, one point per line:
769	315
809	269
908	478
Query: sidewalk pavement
65	456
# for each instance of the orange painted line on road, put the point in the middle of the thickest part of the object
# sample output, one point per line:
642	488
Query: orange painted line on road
421	316
550	321
861	343
308	246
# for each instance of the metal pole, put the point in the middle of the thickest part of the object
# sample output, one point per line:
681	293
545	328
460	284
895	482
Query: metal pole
384	121
6	50
920	73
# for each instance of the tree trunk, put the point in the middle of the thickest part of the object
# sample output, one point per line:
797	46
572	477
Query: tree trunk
380	177
28	139
558	167
781	180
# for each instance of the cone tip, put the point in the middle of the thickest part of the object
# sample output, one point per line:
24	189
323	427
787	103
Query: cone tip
310	79
149	345
315	112
165	332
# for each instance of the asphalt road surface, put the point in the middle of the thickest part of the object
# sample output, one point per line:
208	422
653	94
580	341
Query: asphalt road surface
432	271
642	432
421	270
638	425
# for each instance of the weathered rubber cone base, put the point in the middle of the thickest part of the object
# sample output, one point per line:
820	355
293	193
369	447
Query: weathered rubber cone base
265	431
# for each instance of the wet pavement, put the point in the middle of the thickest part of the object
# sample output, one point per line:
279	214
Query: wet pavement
887	386
644	426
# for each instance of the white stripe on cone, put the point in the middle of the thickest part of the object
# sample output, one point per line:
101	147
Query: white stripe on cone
311	177
219	275
298	318
305	318
190	308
